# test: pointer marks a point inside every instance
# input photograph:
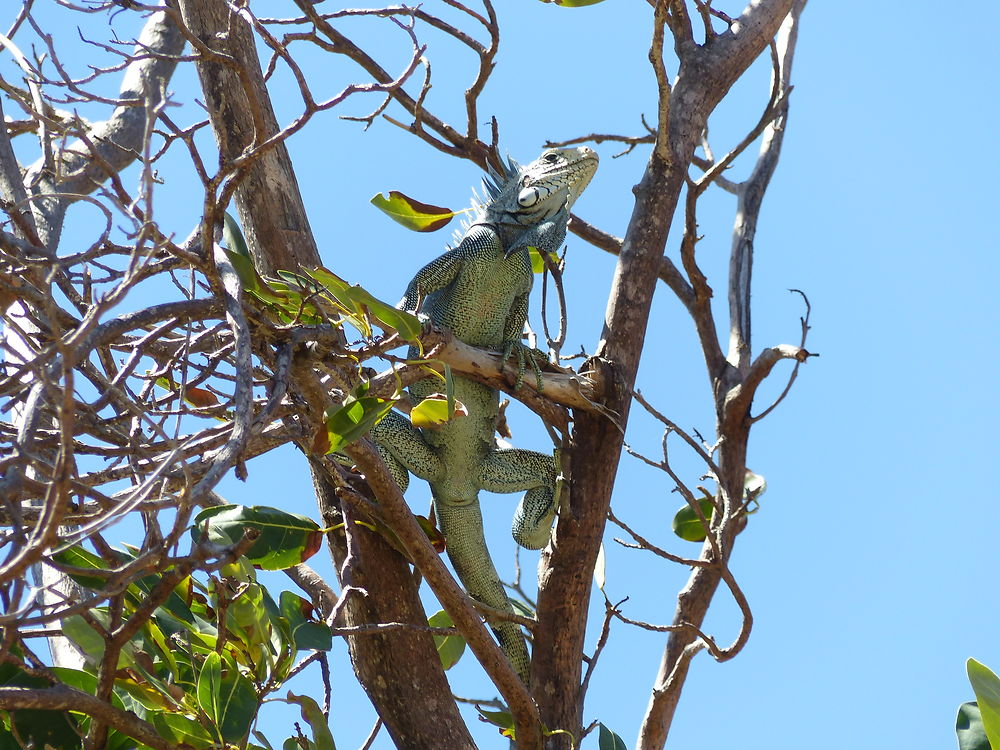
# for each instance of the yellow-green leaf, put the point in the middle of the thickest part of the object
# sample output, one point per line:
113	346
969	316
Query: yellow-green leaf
987	688
412	214
433	411
688	526
362	303
537	261
354	418
449	647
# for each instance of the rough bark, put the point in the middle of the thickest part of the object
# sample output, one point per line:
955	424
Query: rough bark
400	669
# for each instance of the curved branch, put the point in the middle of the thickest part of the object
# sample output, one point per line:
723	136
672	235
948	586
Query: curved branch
62	698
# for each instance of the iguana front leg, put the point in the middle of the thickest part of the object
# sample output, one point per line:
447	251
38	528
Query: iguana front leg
436	275
513	329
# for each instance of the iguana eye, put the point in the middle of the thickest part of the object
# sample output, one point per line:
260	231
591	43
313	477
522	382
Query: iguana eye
527	197
552	157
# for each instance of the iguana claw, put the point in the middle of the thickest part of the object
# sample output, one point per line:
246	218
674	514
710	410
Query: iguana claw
525	353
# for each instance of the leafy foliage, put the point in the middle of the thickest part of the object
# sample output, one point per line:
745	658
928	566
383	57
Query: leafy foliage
197	669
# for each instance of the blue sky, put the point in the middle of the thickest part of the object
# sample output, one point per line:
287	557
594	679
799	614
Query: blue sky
868	564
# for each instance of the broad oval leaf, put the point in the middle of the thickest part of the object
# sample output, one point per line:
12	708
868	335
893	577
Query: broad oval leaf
449	647
412	214
687	525
286	539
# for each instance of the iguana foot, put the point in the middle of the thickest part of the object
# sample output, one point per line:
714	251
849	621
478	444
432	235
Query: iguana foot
525	355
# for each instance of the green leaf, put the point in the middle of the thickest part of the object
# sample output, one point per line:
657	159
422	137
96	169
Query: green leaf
523	608
227	697
79	557
354	419
969	728
412	214
433	411
247	618
608	740
987	689
308	633
574	3
84	637
688	526
449	647
286	539
182	729
233	236
322	737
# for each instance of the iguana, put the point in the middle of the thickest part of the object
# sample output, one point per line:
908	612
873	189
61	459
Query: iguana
479	291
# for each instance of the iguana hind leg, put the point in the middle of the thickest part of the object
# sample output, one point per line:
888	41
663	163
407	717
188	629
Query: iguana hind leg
514	469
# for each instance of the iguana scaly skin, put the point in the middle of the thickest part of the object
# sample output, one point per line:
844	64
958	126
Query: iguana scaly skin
479	291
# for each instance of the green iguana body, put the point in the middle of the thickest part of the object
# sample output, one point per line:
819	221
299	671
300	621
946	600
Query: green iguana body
479	291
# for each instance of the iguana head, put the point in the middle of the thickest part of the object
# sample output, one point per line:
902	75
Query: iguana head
532	194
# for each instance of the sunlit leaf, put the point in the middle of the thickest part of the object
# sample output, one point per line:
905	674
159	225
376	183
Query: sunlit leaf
233	236
573	3
362	302
600	576
537	261
987	688
433	411
192	394
449	647
286	539
686	523
412	214
78	557
433	533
